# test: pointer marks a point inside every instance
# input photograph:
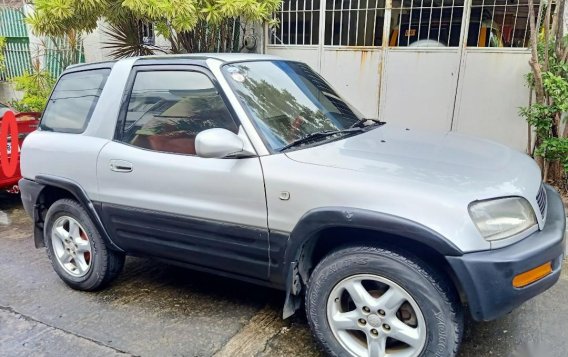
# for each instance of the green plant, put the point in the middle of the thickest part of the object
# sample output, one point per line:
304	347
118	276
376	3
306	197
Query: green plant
173	18
2	58
36	87
124	39
548	81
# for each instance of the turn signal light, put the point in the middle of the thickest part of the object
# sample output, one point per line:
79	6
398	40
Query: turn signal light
532	275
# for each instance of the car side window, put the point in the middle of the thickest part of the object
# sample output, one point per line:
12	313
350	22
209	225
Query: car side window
167	109
73	100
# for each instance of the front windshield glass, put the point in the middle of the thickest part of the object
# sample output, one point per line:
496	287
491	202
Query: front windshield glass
288	101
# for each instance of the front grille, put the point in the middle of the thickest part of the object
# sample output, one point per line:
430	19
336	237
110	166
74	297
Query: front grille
541	200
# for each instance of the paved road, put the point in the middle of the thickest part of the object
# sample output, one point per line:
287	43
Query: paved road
159	310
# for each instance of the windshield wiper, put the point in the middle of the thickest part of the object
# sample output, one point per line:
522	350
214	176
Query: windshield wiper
361	122
319	135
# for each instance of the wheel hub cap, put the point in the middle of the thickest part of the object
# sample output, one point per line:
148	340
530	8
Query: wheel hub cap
374	320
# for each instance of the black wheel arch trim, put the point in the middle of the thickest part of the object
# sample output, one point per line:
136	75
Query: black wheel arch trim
320	219
42	182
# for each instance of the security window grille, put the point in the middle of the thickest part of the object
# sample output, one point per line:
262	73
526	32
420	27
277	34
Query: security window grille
413	23
146	33
426	23
299	23
354	22
499	23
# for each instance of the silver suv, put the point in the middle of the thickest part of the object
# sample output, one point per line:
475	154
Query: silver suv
253	167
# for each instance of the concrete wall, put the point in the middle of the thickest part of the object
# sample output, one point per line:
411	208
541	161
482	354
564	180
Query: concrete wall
8	93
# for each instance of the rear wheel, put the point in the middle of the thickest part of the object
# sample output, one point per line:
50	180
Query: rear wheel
366	301
77	252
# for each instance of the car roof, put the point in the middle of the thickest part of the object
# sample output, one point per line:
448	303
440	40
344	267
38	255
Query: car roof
195	57
225	57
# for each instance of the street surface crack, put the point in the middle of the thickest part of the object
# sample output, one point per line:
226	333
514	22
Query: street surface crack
10	310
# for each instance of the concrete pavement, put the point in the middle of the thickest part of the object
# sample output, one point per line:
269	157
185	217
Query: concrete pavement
158	310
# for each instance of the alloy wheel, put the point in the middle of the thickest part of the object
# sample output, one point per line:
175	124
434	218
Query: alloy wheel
373	316
71	246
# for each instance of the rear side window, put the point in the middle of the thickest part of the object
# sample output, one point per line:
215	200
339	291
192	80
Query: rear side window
73	100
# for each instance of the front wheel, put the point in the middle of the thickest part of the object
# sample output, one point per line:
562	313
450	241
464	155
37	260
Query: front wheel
372	302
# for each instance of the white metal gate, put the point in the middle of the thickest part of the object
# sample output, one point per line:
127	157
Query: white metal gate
430	64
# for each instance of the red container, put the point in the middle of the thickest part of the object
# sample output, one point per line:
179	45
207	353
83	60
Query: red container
27	123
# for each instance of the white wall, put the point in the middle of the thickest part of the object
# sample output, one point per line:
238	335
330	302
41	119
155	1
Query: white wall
94	44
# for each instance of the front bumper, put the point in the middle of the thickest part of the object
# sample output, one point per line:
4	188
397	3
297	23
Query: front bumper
486	277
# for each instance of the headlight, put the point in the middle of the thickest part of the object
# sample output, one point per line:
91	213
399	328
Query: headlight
503	217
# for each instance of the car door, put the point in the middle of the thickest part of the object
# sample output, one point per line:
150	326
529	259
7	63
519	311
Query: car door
159	198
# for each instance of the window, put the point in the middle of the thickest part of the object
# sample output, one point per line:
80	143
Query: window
499	23
299	23
146	34
73	100
426	23
354	22
167	110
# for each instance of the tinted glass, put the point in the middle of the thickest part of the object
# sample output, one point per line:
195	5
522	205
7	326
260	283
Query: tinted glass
73	100
288	100
167	110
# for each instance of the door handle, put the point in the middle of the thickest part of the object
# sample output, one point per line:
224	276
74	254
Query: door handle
120	166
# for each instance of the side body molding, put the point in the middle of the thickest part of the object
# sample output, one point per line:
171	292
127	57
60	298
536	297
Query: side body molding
43	181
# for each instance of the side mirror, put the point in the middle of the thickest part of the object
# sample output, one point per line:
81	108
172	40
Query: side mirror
218	143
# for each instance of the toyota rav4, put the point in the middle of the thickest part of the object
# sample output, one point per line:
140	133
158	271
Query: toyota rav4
253	167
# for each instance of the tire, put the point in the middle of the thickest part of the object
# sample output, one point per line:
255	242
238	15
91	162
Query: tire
433	303
77	251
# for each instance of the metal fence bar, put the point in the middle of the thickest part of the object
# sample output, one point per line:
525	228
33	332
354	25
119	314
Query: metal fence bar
492	20
365	30
419	19
399	22
297	12
440	21
503	20
430	19
304	24
514	25
289	19
282	22
375	23
410	22
357	27
349	22
452	21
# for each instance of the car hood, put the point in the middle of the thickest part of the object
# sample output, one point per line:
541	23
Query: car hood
469	166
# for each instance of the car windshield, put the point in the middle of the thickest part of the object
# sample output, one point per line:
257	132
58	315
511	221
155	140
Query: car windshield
288	101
